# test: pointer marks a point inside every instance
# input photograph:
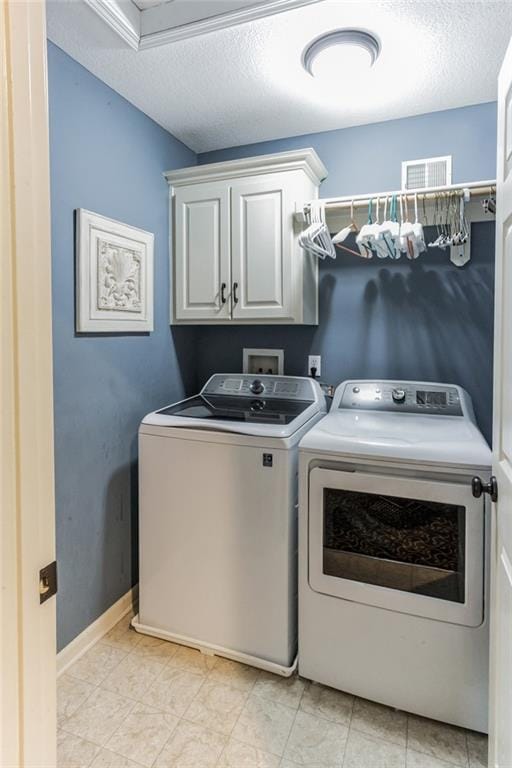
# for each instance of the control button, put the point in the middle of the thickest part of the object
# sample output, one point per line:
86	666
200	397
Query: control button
377	391
398	395
356	390
257	387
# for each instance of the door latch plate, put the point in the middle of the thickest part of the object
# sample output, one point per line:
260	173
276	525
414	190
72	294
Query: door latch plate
48	582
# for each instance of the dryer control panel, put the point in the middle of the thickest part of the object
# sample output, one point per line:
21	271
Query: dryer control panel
399	396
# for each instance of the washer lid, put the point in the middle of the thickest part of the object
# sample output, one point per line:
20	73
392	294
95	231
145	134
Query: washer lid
250	410
281	406
194	414
404	437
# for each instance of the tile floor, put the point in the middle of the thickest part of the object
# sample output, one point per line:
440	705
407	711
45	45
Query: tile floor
133	702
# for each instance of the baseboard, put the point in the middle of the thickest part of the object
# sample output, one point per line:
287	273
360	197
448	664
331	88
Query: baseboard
91	634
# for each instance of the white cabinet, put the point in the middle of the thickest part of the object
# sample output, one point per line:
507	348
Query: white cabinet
234	253
262	247
202	252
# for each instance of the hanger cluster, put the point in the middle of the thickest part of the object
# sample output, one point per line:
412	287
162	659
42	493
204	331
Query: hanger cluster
489	203
390	238
397	234
316	238
452	227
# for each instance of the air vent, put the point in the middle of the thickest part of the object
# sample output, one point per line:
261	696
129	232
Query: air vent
432	172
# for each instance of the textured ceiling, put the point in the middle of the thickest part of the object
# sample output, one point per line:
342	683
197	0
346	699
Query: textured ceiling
246	84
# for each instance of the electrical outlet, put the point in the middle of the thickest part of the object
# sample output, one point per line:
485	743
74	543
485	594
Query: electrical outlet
315	361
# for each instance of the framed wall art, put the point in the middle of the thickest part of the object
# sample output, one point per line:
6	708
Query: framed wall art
114	274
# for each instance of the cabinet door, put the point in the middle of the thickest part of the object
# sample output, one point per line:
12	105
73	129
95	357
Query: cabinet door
262	243
202	263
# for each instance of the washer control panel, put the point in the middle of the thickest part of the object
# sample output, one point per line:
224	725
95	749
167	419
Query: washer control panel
406	397
246	385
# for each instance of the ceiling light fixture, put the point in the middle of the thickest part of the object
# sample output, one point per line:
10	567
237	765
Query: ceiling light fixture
343	49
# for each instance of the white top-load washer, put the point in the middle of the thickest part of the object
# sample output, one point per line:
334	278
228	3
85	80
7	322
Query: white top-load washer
218	517
393	550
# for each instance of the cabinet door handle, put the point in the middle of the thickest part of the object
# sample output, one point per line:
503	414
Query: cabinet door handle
235	289
223	293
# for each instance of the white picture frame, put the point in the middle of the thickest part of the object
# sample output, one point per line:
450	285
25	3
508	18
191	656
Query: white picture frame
114	276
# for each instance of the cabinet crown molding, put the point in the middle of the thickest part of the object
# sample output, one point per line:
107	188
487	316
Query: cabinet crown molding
306	160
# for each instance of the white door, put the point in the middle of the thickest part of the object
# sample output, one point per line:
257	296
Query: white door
262	243
201	252
500	741
27	518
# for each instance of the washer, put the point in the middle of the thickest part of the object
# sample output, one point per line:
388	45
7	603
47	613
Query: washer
218	517
394	550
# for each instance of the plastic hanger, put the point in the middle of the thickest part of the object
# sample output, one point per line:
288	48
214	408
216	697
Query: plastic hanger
316	238
377	241
387	229
364	238
345	232
407	237
418	228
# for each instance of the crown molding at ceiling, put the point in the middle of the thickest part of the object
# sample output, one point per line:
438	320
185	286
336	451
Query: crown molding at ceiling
222	21
125	24
124	18
305	160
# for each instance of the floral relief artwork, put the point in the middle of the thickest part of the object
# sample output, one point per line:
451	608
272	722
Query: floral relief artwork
119	283
114	276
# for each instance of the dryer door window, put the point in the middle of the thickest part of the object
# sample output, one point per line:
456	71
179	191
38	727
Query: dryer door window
412	545
398	543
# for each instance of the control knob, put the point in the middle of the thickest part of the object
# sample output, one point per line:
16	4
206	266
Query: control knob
398	395
257	387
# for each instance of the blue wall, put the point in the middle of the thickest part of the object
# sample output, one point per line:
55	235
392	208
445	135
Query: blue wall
368	158
413	320
108	157
426	319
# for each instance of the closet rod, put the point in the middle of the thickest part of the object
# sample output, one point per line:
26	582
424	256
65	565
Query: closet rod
477	188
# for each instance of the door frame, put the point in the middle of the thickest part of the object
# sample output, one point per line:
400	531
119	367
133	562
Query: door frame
27	508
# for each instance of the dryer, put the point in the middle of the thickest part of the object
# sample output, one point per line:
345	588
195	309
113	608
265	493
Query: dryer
394	550
218	517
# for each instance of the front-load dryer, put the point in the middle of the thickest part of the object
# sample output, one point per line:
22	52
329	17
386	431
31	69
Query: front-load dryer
394	550
218	517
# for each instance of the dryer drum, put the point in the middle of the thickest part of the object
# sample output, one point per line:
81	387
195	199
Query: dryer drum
409	531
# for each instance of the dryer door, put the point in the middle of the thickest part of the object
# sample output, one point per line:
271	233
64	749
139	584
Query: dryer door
398	543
